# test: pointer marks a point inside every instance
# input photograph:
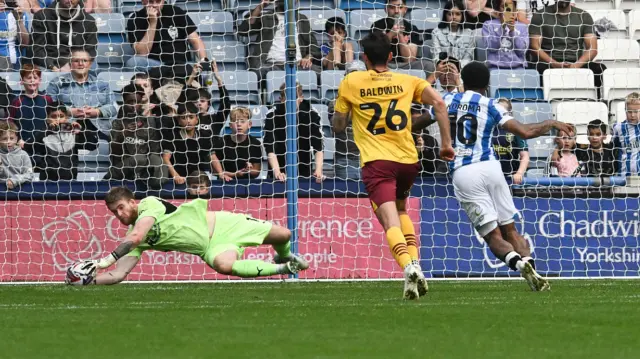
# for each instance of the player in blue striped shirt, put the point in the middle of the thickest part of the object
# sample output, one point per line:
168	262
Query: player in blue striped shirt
626	137
478	182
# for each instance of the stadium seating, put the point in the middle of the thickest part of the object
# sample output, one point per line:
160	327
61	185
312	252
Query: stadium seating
242	86
617	17
307	79
618	111
329	82
96	160
532	112
523	85
596	4
329	148
360	4
110	24
569	84
214	26
634	24
360	22
539	150
580	113
417	73
617	84
318	17
617	53
230	55
199	5
425	19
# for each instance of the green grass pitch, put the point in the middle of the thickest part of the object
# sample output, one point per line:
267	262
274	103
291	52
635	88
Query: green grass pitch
503	319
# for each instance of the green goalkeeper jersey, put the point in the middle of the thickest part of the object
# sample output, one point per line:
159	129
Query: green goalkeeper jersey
181	229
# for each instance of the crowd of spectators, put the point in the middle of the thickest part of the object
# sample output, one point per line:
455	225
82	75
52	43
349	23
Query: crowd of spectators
163	128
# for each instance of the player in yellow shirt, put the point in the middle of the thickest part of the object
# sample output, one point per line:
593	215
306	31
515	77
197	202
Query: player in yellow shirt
379	102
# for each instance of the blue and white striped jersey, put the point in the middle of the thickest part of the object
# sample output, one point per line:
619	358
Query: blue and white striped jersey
626	140
473	118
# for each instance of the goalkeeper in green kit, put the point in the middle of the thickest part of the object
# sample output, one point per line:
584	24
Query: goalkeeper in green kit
219	238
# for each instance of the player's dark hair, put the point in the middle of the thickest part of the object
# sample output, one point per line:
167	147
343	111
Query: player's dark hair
198	177
377	47
203	93
132	90
139	76
597	125
390	1
444	23
118	193
475	76
336	23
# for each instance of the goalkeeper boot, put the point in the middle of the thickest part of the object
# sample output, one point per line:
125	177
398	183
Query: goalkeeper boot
296	264
535	280
281	260
423	287
411	277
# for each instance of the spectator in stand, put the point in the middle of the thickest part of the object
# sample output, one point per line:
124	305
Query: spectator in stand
198	184
625	137
309	138
33	6
13	34
97	6
405	38
189	146
428	150
58	29
346	160
15	165
29	110
55	151
204	101
447	75
267	51
526	8
202	98
135	143
511	150
563	162
452	36
238	155
85	95
160	35
338	51
143	80
507	39
562	37
479	12
598	159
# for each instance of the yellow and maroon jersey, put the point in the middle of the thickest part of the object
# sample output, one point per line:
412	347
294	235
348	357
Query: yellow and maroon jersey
380	106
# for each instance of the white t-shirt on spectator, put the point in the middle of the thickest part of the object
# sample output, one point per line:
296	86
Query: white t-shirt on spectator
278	47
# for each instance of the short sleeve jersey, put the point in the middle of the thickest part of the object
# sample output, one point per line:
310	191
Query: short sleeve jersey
181	229
170	43
380	106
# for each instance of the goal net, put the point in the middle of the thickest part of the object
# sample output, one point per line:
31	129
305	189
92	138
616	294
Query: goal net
99	101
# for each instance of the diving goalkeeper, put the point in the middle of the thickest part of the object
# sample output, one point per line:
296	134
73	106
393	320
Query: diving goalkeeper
219	238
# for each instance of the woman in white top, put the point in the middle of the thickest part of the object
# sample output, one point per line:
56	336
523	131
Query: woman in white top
452	35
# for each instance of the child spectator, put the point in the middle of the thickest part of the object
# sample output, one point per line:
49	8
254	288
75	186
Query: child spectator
188	147
15	165
598	158
506	38
309	138
511	150
55	151
563	162
143	80
237	155
198	184
338	51
13	34
135	143
29	110
625	137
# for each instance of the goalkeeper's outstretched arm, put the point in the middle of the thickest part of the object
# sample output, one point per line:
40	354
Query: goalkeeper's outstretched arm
122	270
131	241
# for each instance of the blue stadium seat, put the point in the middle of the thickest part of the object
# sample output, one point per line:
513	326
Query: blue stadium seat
13	80
516	84
539	150
91	176
317	19
532	112
199	5
417	4
307	79
360	22
129	6
329	82
426	19
323	111
243	87
329	148
214	25
316	4
229	55
116	80
361	4
111	56
110	24
96	160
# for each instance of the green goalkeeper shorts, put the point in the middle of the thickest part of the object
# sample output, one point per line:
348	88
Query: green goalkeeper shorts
235	231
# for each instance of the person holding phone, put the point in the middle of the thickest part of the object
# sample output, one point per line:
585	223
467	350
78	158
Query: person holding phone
507	39
13	34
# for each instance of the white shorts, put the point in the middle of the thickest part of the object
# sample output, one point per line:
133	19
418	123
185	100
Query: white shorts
484	195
